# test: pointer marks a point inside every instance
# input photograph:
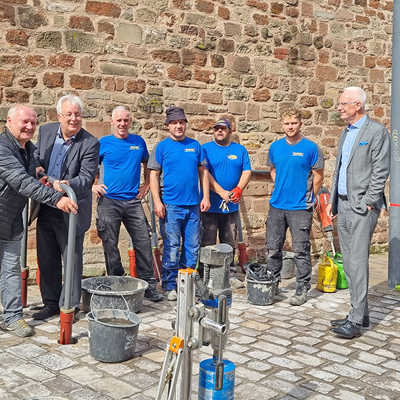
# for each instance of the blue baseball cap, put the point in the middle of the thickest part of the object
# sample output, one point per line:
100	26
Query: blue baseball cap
223	122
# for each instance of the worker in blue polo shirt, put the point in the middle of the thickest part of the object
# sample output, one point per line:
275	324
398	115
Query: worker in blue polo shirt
229	166
297	171
120	196
179	160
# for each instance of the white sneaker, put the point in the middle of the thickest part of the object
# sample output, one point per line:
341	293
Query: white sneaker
171	295
19	327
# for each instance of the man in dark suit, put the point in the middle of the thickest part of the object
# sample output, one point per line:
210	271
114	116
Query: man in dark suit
357	196
68	153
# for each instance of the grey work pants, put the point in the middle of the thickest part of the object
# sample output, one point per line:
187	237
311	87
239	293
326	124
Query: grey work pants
10	280
355	232
224	224
299	223
110	214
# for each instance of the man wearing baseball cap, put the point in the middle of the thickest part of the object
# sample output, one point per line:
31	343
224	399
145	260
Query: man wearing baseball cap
229	167
179	159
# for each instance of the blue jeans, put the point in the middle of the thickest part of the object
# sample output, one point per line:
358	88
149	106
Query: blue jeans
181	223
10	280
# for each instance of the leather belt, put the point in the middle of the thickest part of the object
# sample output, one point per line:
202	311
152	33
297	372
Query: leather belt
343	197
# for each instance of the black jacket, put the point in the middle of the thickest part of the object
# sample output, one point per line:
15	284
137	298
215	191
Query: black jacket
17	183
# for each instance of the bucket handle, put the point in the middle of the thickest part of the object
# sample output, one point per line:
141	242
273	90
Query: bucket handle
92	310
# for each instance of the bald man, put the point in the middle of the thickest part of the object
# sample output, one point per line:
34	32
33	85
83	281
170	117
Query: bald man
17	183
122	155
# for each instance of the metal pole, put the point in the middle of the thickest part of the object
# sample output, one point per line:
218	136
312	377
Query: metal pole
69	269
24	268
394	210
184	329
24	239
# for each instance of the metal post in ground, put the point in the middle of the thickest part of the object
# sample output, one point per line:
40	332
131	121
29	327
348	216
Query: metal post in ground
394	210
24	268
67	310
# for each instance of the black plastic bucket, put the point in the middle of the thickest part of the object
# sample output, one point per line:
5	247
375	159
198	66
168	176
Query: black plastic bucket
112	334
260	293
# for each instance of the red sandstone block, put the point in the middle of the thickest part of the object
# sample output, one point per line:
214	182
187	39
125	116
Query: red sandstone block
135	86
6	77
35	60
261	94
100	8
81	82
169	56
17	36
53	79
281	53
179	73
326	73
224	12
203	75
62	60
205	6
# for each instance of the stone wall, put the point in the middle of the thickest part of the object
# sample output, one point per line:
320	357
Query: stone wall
246	60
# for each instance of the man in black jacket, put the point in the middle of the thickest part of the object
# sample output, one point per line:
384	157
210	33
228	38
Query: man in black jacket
17	183
66	152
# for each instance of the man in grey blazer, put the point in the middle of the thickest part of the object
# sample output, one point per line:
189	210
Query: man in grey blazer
68	153
357	196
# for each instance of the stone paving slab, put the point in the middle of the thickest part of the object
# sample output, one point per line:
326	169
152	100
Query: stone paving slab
280	352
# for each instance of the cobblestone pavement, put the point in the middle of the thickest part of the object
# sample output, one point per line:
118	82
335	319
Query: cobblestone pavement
280	352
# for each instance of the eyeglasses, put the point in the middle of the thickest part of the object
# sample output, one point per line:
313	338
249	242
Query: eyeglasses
346	103
71	115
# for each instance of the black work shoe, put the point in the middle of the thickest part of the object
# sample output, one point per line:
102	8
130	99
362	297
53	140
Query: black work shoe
153	294
300	297
338	322
348	330
46	312
77	315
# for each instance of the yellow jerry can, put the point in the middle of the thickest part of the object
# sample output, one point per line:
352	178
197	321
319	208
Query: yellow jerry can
327	275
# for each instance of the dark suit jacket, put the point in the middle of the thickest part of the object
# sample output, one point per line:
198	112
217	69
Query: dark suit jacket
367	170
79	167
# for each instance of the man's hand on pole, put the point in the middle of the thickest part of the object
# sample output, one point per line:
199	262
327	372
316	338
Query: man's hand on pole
57	185
67	205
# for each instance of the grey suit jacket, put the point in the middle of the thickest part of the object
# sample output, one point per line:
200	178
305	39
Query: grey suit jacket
79	167
367	170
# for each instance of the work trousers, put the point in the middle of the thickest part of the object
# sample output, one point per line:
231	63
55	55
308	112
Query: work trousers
52	243
10	280
110	214
355	233
179	228
223	224
299	223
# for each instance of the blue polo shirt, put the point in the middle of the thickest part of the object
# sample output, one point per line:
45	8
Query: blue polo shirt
121	159
225	164
293	188
179	162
